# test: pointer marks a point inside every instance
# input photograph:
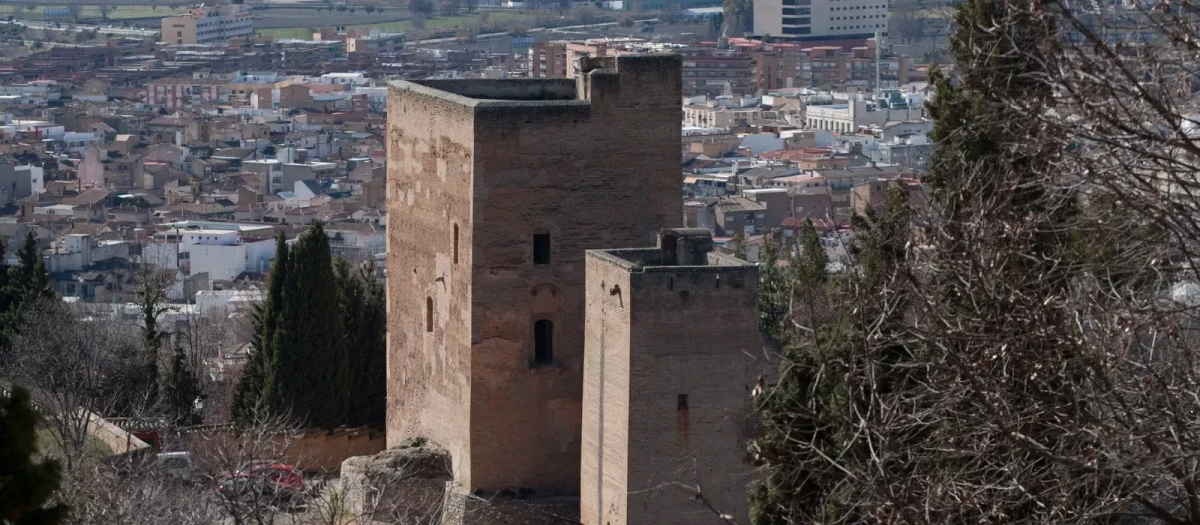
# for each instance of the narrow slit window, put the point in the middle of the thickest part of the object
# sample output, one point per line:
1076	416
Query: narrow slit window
681	402
541	248
455	244
543	342
428	314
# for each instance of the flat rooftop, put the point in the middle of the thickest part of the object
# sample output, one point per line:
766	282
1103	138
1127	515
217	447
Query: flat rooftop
510	89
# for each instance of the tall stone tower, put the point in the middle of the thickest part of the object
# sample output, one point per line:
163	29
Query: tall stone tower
673	350
495	190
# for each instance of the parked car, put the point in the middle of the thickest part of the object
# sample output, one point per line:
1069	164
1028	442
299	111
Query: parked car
276	481
177	465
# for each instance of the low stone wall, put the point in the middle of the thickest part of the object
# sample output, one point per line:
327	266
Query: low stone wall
312	451
413	484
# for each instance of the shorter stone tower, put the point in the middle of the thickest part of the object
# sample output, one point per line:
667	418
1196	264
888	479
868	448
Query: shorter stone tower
671	351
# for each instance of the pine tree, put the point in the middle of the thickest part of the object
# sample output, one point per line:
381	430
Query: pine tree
311	369
26	487
257	383
180	391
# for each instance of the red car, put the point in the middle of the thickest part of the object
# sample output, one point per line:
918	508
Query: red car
266	478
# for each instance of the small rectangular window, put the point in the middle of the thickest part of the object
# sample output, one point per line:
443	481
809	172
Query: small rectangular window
681	403
543	342
541	248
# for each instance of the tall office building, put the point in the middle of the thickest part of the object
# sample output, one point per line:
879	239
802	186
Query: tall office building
823	20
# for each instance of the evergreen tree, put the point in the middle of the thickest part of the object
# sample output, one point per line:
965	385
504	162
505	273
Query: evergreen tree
180	391
774	285
26	284
363	310
312	371
816	409
258	378
26	487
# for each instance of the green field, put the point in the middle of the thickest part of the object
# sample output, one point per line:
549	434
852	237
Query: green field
91	11
406	25
49	447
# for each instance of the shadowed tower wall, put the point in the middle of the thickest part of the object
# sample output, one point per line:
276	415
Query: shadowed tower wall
673	350
479	172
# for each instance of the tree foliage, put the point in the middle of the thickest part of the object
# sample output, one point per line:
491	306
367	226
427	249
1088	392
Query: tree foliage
813	413
180	390
255	390
319	338
364	317
26	486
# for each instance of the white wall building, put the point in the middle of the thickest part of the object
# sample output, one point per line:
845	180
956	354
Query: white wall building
223	253
849	116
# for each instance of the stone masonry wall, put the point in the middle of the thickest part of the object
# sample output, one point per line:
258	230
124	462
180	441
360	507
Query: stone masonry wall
430	161
599	172
682	420
698	440
598	176
605	464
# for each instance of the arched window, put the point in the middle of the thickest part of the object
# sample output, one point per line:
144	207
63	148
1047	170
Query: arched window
428	314
543	342
455	244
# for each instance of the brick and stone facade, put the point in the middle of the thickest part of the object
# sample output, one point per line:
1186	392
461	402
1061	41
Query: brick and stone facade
673	350
479	172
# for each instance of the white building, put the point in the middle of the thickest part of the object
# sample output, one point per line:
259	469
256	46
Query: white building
849	116
222	250
224	302
80	251
820	19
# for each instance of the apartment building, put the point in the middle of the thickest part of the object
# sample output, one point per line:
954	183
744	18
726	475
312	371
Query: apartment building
820	19
709	71
208	25
779	66
560	58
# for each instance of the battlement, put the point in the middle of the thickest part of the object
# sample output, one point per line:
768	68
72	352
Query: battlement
677	249
600	78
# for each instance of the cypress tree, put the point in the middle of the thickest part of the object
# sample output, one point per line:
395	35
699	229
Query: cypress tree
364	320
312	373
27	283
25	486
180	391
258	378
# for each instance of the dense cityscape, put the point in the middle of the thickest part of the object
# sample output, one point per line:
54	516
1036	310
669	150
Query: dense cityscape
600	261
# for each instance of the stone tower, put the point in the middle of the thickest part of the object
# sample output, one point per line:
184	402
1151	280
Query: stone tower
672	352
495	190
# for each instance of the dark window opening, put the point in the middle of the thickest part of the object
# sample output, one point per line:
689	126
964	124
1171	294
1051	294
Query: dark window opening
670	249
681	402
428	314
541	248
455	244
543	342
